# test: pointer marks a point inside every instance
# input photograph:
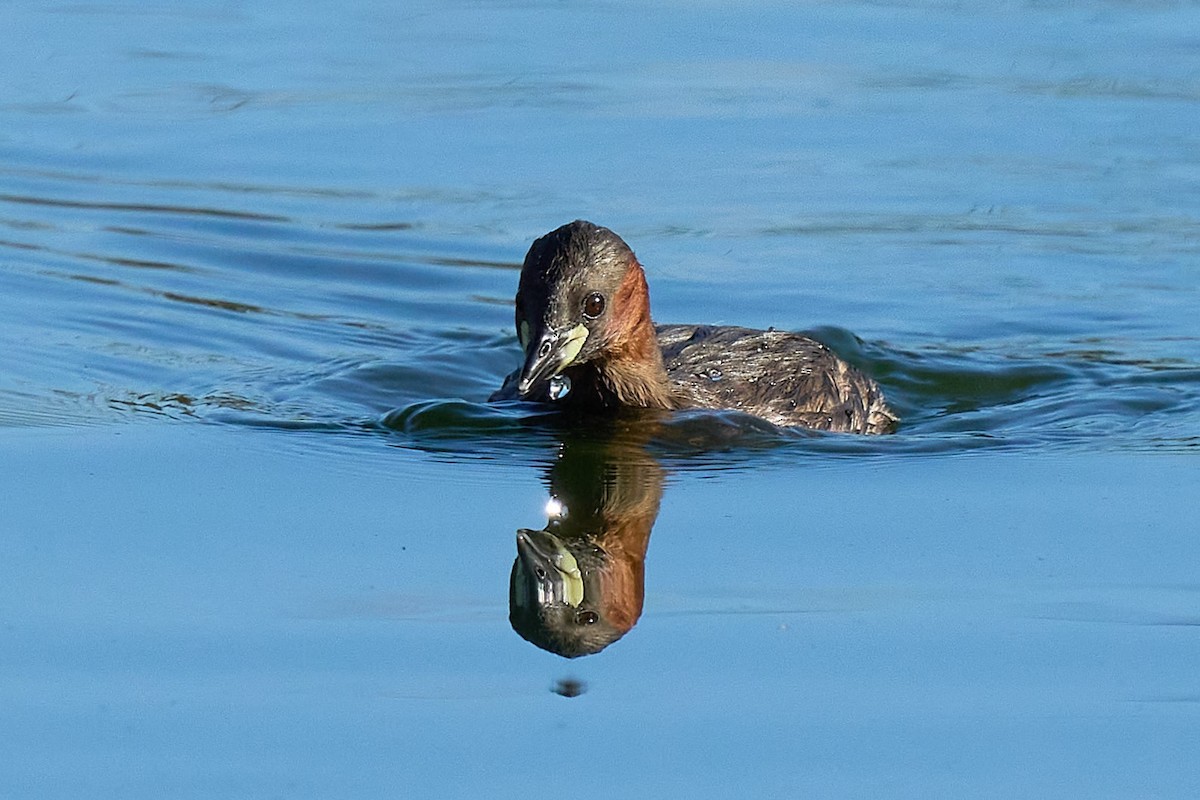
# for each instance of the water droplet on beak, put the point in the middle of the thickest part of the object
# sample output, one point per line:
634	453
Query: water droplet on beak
560	387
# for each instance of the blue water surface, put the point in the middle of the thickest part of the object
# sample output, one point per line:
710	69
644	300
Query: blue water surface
257	262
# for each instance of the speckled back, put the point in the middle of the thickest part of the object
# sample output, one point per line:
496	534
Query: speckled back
785	378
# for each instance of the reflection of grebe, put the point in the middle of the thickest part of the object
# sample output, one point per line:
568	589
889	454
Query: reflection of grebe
579	585
583	317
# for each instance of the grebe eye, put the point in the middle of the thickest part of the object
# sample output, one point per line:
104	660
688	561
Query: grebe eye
587	617
593	305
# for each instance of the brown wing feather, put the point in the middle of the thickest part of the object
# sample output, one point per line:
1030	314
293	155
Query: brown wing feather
785	378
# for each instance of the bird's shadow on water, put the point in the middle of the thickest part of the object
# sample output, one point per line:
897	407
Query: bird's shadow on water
578	584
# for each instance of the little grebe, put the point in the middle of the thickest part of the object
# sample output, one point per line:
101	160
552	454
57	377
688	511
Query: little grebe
583	318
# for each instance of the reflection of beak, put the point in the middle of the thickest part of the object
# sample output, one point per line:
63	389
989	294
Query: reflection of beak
549	565
556	350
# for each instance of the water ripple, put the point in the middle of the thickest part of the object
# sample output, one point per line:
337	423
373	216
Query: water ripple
396	332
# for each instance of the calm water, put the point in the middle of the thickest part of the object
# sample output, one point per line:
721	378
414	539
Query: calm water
256	270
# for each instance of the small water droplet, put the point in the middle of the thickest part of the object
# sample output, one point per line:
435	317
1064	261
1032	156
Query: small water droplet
560	387
569	687
555	509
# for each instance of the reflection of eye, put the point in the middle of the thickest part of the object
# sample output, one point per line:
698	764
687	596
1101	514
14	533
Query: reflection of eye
586	617
593	305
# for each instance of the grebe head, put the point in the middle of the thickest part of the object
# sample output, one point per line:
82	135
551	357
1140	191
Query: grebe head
581	293
565	596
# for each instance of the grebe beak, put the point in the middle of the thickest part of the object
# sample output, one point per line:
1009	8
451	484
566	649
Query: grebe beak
546	566
549	355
